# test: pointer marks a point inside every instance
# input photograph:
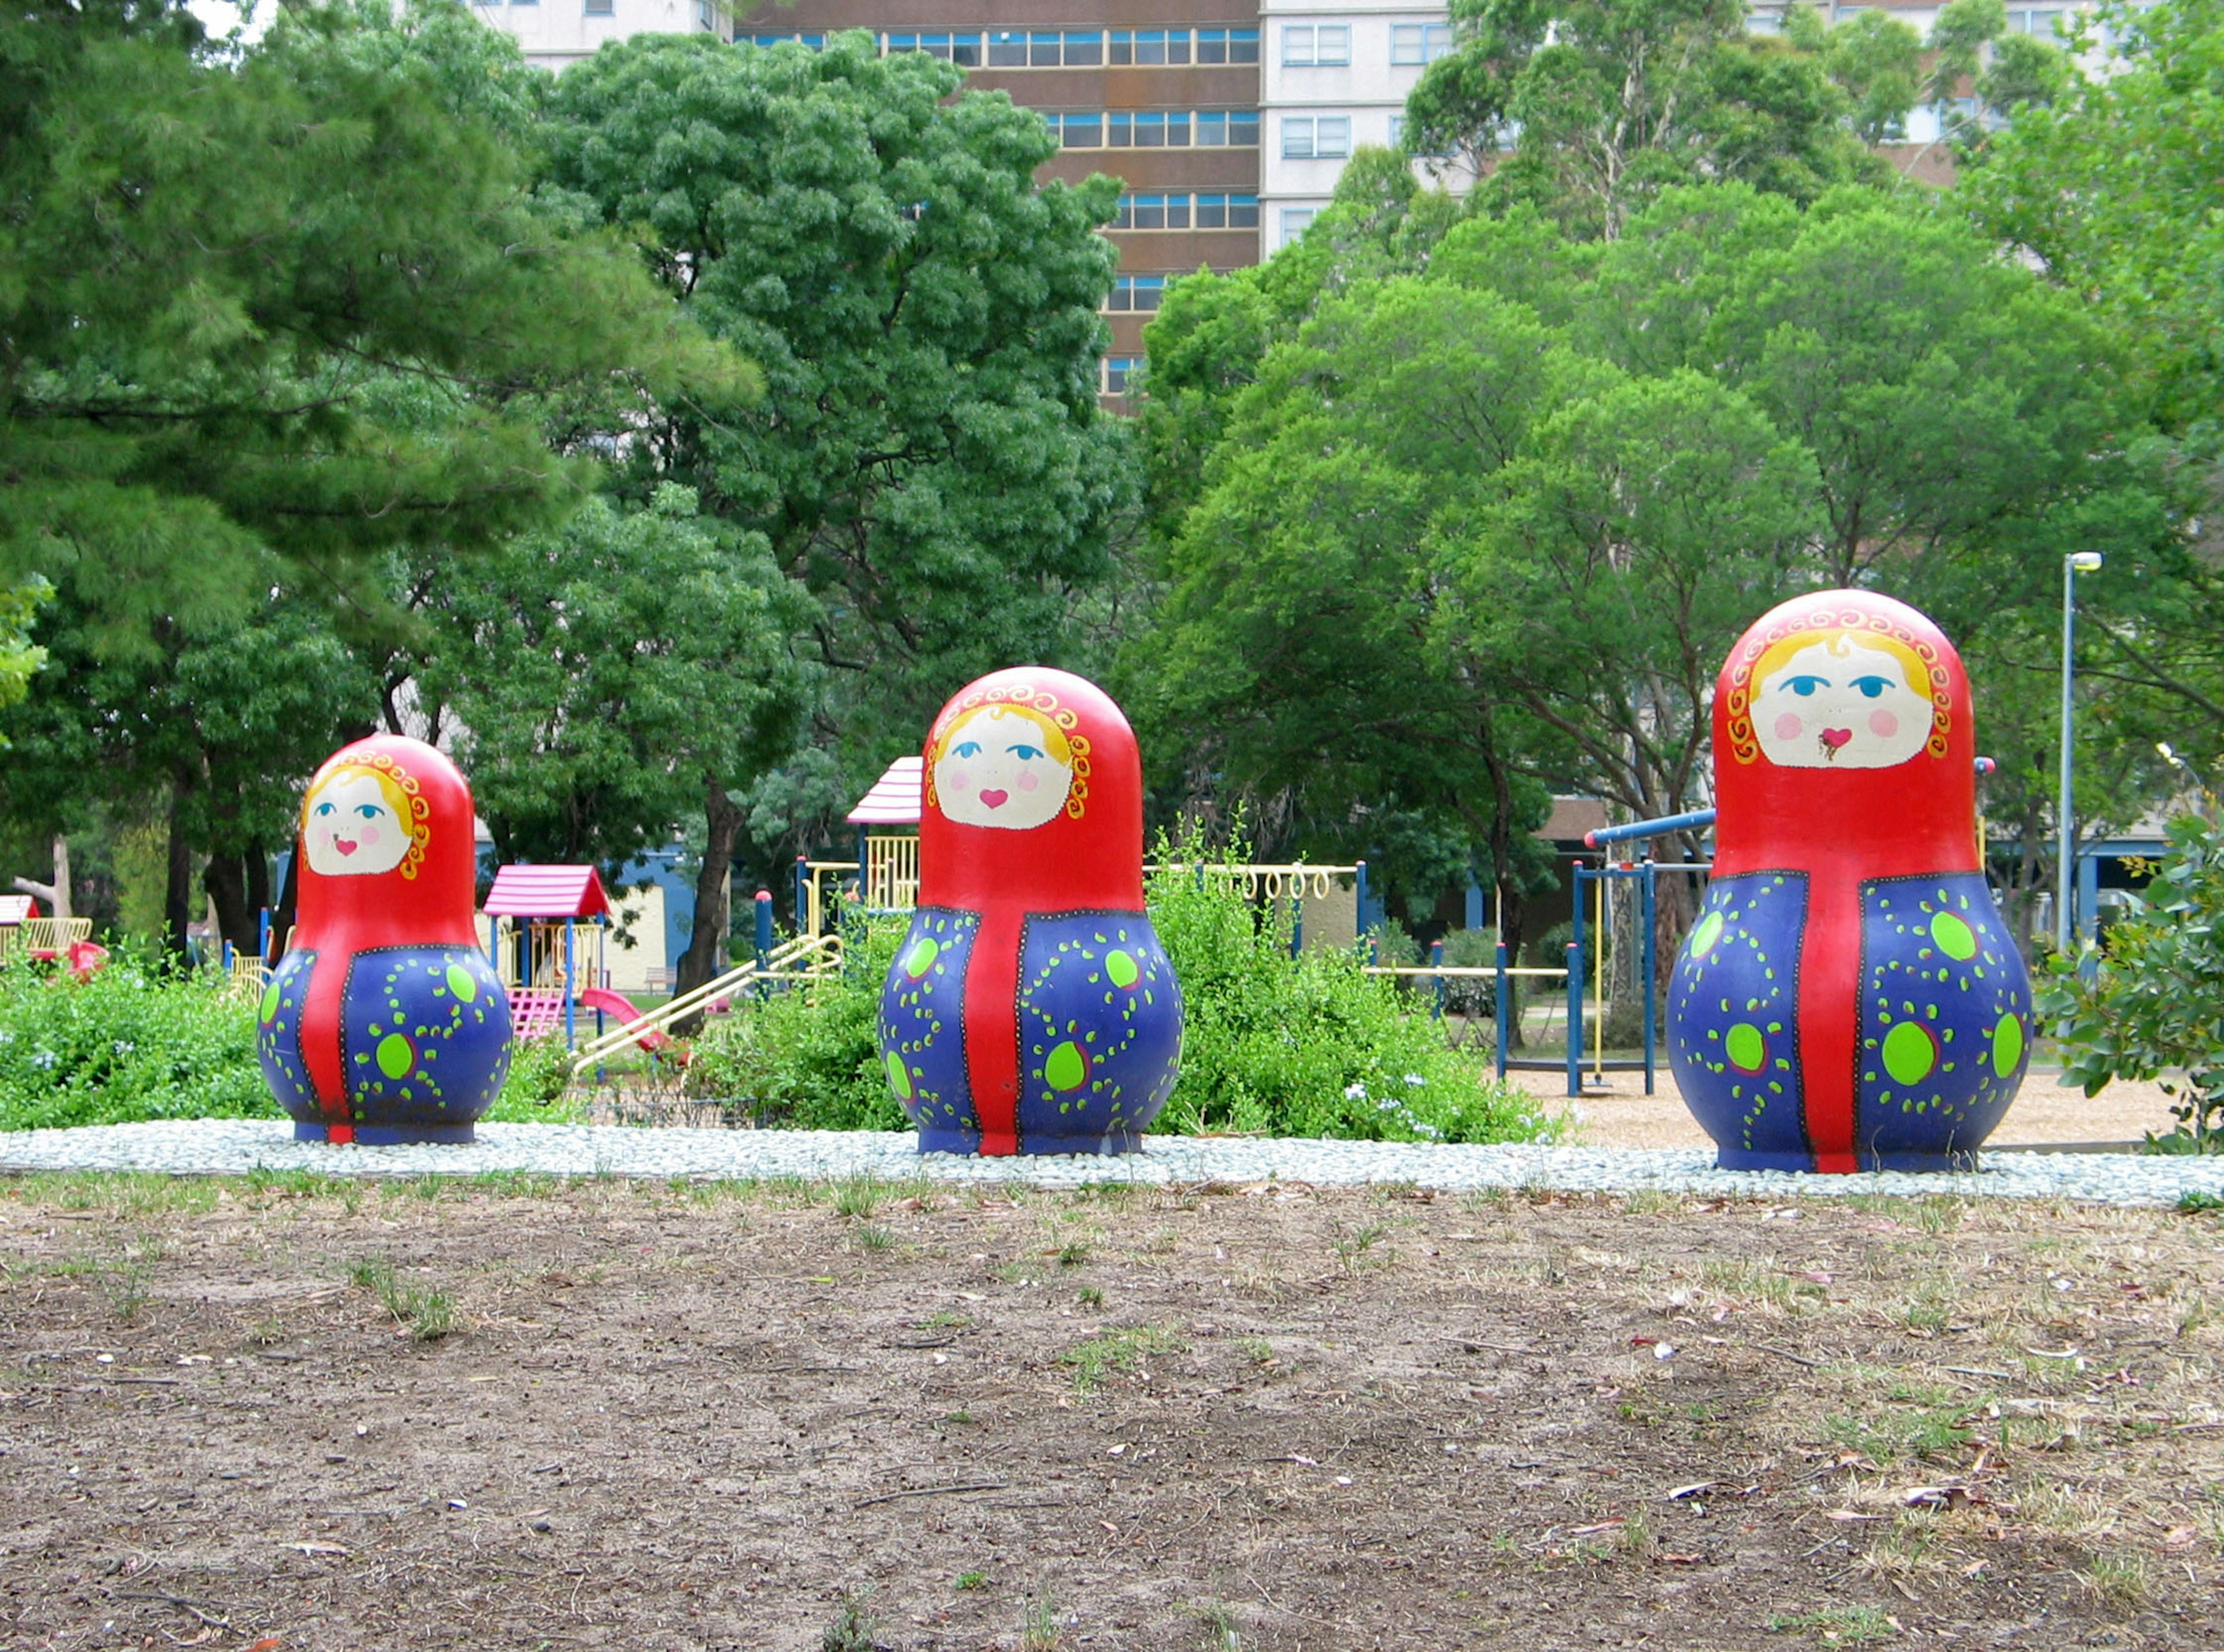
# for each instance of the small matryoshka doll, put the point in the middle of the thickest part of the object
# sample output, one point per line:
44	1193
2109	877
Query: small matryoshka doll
1848	998
1031	1009
383	1021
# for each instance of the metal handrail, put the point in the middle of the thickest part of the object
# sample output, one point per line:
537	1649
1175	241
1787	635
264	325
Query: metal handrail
823	950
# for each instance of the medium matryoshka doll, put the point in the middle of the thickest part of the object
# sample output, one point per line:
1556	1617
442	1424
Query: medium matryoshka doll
1848	998
383	1021
1031	1009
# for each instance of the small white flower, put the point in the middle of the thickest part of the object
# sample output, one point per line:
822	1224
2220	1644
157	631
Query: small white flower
1354	1092
1415	1078
44	1059
6	1037
124	1046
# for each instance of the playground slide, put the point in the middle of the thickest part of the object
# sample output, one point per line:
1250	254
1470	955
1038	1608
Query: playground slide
654	1040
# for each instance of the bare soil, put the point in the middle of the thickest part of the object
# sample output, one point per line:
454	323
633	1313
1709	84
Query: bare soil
289	1413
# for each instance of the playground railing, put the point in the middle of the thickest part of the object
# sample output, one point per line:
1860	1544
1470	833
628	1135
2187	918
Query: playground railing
803	957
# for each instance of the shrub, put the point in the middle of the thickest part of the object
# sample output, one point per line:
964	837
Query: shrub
1311	1045
534	1091
808	1057
2153	1005
134	1042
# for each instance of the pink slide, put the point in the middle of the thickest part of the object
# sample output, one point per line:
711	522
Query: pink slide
617	1004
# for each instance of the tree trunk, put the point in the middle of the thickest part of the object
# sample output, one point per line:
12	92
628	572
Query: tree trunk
224	878
281	917
178	896
56	895
706	957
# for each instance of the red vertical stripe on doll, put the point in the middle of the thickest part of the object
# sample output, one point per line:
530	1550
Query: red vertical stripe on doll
1829	1007
320	1043
992	1028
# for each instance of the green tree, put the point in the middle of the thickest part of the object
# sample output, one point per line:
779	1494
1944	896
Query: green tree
928	458
211	268
600	680
1598	104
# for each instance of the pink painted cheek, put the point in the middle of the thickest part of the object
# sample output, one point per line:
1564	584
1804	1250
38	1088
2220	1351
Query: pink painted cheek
1029	783
370	836
1883	724
1788	725
959	781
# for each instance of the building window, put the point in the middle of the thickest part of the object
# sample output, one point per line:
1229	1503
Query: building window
1227	212
2034	22
1306	46
1149	46
1419	42
1118	369
1007	49
1295	220
1236	129
962	49
1132	293
812	42
1228	46
1084	48
601	8
1310	137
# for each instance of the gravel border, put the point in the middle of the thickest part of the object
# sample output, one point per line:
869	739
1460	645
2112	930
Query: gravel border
235	1147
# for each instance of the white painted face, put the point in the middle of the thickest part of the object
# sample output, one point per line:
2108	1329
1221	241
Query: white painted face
995	771
351	829
1846	709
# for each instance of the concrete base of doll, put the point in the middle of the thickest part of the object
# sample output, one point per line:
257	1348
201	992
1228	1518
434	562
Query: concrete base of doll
384	1135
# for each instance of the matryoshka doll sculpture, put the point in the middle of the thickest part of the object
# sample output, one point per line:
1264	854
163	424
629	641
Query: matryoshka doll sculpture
1031	1009
1848	998
383	1021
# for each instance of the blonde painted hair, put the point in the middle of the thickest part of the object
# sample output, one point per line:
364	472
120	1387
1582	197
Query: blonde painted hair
1764	654
397	789
1038	706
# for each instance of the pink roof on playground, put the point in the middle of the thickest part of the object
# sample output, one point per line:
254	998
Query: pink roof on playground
546	892
894	800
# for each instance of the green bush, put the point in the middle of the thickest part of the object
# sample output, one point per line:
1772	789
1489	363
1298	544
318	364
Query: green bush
2150	1006
1309	1046
1473	994
808	1058
131	1043
534	1091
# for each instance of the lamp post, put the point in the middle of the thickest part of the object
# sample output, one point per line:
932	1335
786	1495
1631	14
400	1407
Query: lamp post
2064	827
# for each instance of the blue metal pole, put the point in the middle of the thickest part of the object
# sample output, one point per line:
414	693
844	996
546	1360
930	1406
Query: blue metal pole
1436	962
1650	1010
570	990
764	926
1359	913
1576	989
1297	918
803	895
1504	1021
1575	1019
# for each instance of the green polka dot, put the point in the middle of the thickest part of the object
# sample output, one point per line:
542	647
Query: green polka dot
1910	1053
2007	1044
921	959
1121	970
899	1075
269	1001
461	983
1746	1047
1704	937
396	1055
1067	1068
1955	938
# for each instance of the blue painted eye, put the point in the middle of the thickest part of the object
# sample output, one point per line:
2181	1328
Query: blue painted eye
1024	753
323	808
1872	687
368	810
1803	687
966	749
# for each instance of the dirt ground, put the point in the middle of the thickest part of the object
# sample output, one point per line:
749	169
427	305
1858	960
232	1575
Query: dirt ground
281	1413
2045	1113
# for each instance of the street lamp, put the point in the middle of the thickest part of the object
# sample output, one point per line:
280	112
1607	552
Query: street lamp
2075	563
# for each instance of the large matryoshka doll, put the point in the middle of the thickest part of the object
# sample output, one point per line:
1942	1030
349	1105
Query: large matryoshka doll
383	1021
1031	1009
1848	998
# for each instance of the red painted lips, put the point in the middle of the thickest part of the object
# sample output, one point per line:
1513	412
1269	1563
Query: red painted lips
1836	738
994	799
345	845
